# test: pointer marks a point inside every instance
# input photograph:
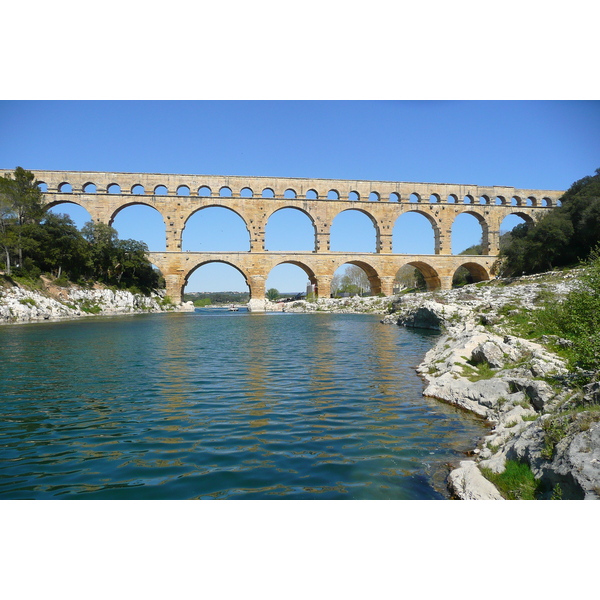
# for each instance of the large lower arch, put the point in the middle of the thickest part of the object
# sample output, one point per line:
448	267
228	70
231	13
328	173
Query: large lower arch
223	283
304	267
432	277
476	271
371	273
142	222
215	228
290	228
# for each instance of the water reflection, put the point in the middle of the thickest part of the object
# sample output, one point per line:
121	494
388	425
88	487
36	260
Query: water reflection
222	406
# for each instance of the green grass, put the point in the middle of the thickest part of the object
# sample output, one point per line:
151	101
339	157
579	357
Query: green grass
517	482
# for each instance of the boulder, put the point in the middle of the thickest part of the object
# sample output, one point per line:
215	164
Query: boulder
467	483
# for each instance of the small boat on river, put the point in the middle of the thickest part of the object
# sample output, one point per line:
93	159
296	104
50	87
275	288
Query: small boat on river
233	308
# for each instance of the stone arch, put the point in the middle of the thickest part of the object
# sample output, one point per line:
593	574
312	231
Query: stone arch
225	192
78	215
394	197
302	265
432	277
138	189
268	193
484	230
234	223
113	188
452	199
296	209
372	274
152	231
65	188
414	198
435	233
204	191
525	216
374	197
312	195
483	199
246	192
89	188
128	204
183	190
290	194
161	190
340	238
202	263
433	198
333	195
43	186
353	196
477	272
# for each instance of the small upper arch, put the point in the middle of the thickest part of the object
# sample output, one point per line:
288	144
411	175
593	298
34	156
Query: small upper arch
183	190
353	196
333	195
268	193
225	192
161	190
246	192
65	188
312	195
89	188
138	189
290	194
204	190
113	188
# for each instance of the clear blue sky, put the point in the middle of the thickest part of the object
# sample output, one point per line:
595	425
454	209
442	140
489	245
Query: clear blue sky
529	144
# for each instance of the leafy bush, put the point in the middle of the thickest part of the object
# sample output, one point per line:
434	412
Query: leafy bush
578	317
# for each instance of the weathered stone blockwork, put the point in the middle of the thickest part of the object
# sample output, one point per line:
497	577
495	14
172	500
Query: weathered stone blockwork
255	199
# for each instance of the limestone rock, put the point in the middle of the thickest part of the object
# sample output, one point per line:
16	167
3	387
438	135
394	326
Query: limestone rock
467	483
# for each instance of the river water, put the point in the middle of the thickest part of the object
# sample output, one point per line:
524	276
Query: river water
216	404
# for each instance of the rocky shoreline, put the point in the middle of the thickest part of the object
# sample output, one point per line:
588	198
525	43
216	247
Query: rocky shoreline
520	387
21	304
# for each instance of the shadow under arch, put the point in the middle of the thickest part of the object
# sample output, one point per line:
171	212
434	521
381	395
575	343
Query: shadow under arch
203	263
431	276
309	272
230	212
476	271
370	271
296	209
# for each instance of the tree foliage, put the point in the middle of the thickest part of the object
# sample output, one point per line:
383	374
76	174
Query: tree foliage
34	241
354	281
272	294
563	237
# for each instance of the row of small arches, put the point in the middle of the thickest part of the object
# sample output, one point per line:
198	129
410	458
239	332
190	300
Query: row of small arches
246	192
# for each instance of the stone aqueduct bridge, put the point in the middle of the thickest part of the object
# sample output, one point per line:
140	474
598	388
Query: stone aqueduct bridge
255	199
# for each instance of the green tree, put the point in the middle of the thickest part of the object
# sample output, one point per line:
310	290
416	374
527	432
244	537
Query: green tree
272	294
21	203
564	236
61	248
